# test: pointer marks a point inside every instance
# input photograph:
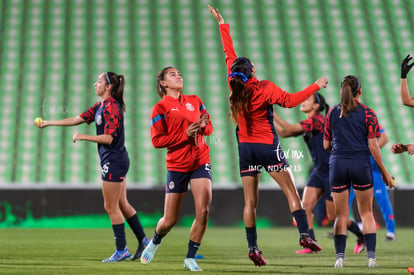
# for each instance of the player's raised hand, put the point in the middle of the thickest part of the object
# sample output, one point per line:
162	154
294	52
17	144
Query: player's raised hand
216	14
405	67
322	82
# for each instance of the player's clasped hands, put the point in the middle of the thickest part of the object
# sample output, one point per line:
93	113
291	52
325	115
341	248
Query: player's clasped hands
193	128
401	148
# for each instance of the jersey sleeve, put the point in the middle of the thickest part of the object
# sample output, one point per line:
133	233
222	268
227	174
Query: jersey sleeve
208	130
227	46
372	124
160	135
328	132
112	118
89	115
276	95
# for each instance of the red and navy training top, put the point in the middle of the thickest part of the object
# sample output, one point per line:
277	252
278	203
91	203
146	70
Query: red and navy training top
109	119
349	134
313	135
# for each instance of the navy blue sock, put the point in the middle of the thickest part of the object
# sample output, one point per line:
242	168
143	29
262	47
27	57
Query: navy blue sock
251	235
354	228
192	249
340	244
312	234
157	238
136	227
301	221
119	236
371	242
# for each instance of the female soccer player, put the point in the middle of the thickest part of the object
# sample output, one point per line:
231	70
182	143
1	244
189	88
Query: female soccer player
251	107
380	193
108	114
407	100
179	123
351	133
318	182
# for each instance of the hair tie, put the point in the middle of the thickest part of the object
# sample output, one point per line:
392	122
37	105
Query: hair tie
241	75
354	92
107	78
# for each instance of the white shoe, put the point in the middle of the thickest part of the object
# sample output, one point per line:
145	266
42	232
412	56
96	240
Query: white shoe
390	237
149	252
339	263
372	262
191	264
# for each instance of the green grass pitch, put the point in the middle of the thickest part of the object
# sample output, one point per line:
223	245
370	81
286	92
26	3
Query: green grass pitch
79	251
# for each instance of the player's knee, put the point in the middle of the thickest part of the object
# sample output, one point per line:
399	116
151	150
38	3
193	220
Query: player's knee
111	209
202	215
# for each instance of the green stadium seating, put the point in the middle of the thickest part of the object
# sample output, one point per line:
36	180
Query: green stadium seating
51	54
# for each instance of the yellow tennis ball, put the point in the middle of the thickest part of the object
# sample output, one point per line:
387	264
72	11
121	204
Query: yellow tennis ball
38	121
394	182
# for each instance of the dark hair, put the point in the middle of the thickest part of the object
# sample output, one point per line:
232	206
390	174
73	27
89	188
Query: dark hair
240	96
323	106
350	87
118	85
160	77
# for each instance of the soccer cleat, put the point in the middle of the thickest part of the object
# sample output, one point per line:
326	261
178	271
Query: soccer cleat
256	256
339	263
307	242
411	270
149	252
372	262
359	246
140	248
119	255
390	237
191	264
305	251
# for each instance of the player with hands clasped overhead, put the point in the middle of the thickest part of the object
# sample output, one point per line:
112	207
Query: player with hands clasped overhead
407	100
108	115
351	133
179	123
251	105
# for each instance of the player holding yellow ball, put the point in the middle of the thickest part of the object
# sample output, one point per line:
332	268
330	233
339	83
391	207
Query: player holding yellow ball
108	116
38	122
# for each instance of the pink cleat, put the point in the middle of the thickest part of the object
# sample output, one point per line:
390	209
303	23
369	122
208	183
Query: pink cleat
359	246
305	250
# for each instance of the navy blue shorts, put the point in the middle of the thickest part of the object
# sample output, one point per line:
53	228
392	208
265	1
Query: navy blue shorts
343	172
253	157
114	170
319	178
177	182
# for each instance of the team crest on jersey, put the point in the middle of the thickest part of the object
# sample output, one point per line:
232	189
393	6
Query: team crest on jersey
98	120
171	185
189	107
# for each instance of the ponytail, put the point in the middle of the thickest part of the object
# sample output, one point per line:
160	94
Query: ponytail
118	85
350	87
240	95
239	101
